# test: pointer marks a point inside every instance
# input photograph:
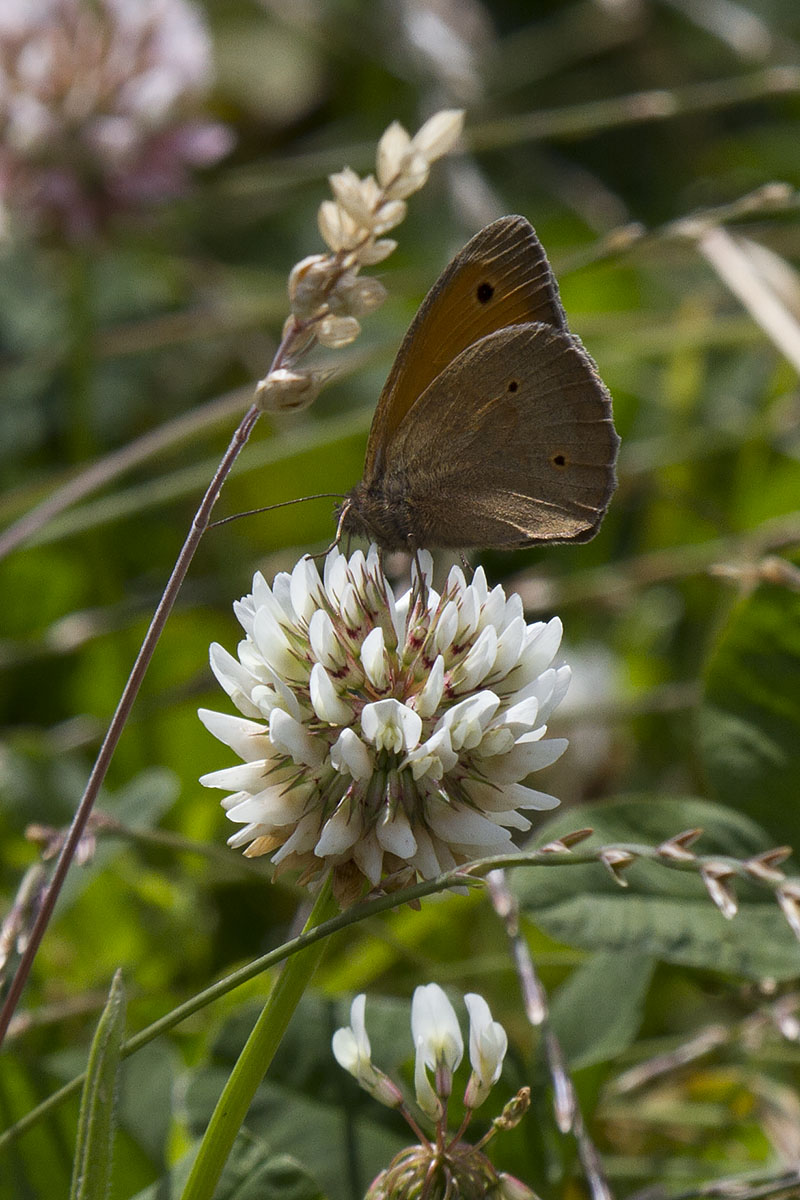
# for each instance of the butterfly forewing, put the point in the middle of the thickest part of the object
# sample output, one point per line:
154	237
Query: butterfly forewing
512	444
500	278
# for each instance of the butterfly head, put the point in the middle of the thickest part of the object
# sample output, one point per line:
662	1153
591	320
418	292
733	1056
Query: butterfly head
379	513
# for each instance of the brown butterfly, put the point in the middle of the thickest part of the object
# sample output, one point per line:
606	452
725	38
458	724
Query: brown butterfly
494	428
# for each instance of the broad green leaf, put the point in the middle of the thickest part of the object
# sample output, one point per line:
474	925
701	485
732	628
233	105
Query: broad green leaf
597	1011
663	912
749	722
91	1174
139	805
253	1172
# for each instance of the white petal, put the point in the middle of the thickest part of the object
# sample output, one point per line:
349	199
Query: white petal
353	1048
426	1097
433	758
350	756
340	831
305	588
468	615
326	702
511	820
394	833
294	739
446	627
429	699
247	738
522	716
468	719
272	808
368	856
541	649
435	1028
500	798
497	740
540	688
345	1050
523	758
487	1047
563	676
456	823
513	610
509	648
350	607
373	658
235	679
303	838
425	862
478	663
273	644
480	586
493	608
282	592
250	777
243	836
444	855
335	576
390	725
324	643
456	583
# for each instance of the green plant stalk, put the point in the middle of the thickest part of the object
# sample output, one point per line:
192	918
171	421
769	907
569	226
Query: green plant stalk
253	1062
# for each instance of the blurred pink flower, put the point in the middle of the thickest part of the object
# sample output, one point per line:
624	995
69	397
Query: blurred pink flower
101	106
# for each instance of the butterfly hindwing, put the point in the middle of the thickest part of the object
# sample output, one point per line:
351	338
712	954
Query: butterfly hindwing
500	278
511	445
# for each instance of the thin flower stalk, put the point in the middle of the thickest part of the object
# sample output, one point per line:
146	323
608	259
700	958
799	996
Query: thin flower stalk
547	857
566	1109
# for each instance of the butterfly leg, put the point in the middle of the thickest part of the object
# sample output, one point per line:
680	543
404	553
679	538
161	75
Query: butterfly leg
337	537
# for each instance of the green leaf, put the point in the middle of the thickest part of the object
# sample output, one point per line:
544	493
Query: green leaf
663	912
749	722
253	1172
597	1011
91	1174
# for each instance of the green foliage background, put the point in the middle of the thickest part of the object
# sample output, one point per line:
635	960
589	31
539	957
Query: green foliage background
685	709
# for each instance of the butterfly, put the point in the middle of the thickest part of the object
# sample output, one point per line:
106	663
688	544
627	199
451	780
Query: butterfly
493	429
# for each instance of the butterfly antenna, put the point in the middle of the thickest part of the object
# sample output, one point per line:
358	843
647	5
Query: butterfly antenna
252	512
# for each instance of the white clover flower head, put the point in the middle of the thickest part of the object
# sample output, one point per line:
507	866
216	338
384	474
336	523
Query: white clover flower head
352	1051
382	739
438	1047
488	1043
101	106
443	1165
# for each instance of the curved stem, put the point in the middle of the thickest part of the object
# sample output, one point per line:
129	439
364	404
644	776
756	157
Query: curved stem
252	1064
129	694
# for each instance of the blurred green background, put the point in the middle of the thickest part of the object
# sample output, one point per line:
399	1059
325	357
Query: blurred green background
605	123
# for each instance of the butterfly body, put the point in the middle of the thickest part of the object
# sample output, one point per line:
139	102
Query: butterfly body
494	428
